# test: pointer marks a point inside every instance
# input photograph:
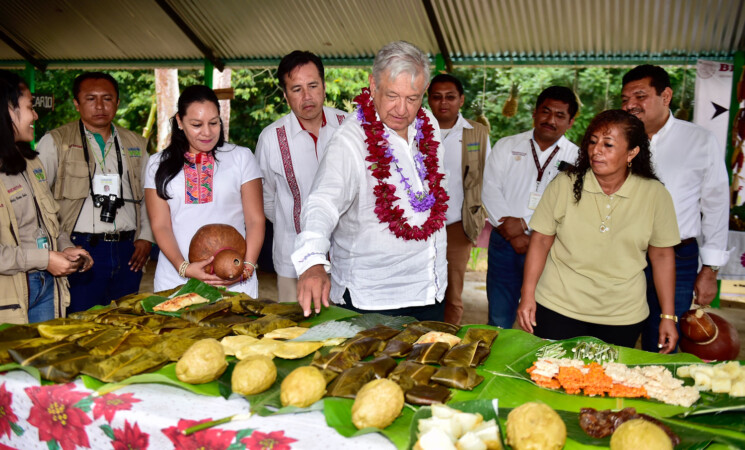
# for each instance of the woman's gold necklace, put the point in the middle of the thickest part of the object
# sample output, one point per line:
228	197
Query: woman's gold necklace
603	226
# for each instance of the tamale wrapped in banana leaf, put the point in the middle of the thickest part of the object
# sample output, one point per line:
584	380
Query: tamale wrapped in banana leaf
263	325
464	378
70	331
433	325
172	347
461	355
91	314
486	336
172	322
338	361
57	361
138	338
5	357
133	303
380	331
253	307
224	319
349	382
201	332
362	347
410	334
428	353
292	311
18	332
420	374
382	365
329	375
124	365
235	301
120	319
197	313
482	353
397	349
295	350
427	395
105	342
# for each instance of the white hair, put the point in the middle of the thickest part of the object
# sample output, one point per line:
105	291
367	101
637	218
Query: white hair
400	57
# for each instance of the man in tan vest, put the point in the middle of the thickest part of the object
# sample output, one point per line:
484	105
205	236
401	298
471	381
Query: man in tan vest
466	144
95	170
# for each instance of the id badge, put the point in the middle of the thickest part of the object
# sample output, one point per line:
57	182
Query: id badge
42	241
535	197
105	184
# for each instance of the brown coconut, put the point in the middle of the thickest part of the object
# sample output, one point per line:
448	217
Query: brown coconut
708	336
223	242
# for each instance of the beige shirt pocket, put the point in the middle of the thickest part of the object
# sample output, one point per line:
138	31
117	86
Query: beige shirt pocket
76	180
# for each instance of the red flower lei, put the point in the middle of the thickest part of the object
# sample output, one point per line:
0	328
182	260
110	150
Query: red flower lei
385	193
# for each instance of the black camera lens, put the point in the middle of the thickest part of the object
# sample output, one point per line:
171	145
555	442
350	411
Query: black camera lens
109	205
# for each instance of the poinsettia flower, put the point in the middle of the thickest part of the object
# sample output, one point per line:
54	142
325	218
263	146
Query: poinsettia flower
211	438
130	438
7	416
107	405
276	440
53	413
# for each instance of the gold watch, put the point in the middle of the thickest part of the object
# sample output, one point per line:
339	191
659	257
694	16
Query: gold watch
668	316
714	269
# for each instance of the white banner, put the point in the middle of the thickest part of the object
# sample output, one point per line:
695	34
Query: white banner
713	95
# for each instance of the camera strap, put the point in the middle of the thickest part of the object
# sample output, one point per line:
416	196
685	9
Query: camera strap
120	166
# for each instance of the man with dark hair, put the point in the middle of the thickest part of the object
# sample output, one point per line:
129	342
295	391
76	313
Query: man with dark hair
517	172
466	145
289	151
82	159
689	162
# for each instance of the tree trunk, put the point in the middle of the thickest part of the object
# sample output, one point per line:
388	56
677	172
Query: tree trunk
166	91
222	80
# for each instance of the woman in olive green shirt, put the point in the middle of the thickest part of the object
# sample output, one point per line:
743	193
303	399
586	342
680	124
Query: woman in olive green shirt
592	232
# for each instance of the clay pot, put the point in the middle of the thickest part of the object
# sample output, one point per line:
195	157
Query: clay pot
708	336
223	242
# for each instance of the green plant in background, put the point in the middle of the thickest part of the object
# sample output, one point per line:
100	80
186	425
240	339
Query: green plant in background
474	260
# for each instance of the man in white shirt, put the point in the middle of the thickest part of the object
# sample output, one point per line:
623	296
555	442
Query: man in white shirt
289	151
466	146
517	172
689	162
378	201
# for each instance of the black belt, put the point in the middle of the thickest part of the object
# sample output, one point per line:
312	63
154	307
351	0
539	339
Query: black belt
114	236
685	242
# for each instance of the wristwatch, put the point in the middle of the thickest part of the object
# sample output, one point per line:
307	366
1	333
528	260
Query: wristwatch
714	269
669	316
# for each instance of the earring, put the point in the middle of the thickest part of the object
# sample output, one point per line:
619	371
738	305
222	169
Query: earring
629	164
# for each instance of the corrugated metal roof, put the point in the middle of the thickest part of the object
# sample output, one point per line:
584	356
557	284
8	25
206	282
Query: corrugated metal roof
239	32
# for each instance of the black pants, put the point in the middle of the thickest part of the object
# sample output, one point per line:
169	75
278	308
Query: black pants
552	325
428	312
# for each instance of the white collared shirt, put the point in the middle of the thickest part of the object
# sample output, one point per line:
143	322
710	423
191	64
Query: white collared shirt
453	147
510	174
279	200
691	165
380	270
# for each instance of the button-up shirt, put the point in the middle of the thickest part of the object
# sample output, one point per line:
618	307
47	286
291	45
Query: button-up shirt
380	270
511	175
301	158
690	163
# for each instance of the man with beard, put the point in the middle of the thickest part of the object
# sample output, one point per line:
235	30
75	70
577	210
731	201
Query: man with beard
517	172
689	162
378	202
466	146
289	151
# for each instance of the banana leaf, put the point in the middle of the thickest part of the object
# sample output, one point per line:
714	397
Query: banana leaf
397	349
330	313
461	355
349	382
464	378
173	323
224	319
408	371
5	357
292	311
482	353
235	299
119	319
138	338
201	332
263	325
382	332
362	347
105	342
124	365
328	330
172	347
427	395
338	412
337	361
433	325
57	361
411	333
71	331
164	375
18	332
197	313
428	353
91	314
211	293
132	304
33	371
370	320
484	335
253	306
382	365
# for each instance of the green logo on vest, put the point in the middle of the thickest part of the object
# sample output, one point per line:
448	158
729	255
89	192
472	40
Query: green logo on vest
472	147
134	151
39	174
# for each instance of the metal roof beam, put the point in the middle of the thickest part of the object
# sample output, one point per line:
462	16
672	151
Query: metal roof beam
438	34
21	51
208	53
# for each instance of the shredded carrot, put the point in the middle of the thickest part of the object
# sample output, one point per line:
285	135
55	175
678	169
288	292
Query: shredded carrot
571	379
621	390
594	382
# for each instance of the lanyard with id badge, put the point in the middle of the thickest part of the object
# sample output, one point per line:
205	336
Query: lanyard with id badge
40	234
535	196
106	189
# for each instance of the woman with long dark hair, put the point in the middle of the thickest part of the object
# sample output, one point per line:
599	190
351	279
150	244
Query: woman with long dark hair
184	192
35	255
592	232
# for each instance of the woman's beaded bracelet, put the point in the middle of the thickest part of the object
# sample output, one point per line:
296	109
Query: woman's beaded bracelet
255	266
182	269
